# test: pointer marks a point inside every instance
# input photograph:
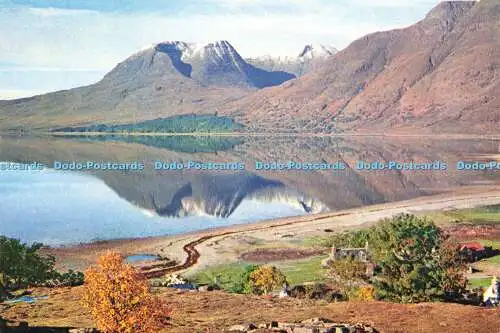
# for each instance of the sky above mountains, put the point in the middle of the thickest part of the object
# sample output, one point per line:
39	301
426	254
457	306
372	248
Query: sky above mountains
47	45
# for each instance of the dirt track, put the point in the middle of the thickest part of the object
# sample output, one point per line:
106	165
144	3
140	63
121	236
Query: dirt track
192	258
369	214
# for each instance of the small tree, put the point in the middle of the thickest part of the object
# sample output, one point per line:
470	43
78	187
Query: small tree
266	279
416	261
21	265
119	298
362	293
241	283
348	273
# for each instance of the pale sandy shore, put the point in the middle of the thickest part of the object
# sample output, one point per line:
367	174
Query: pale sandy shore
225	245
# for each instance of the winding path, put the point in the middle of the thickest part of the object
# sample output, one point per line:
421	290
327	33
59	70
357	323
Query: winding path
193	255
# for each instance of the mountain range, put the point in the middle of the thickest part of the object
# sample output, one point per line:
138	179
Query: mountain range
441	74
166	79
309	58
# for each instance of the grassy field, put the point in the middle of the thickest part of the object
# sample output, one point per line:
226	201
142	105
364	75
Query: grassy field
479	283
479	215
495	244
301	271
296	272
227	274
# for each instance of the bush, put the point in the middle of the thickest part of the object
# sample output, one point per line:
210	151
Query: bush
348	269
363	293
347	239
266	279
241	285
119	298
317	291
416	261
298	292
69	279
348	273
21	265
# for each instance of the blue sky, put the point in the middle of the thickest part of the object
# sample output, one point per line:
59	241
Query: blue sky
47	45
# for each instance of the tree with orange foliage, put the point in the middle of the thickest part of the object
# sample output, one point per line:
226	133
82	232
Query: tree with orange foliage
119	298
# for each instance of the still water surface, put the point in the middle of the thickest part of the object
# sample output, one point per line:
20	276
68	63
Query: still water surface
67	207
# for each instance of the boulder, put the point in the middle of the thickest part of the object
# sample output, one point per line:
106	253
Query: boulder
237	328
203	288
242	328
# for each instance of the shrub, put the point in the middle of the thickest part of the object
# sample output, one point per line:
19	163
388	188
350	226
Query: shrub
119	299
348	273
241	284
298	292
348	269
347	239
69	279
318	291
362	293
21	265
266	279
416	261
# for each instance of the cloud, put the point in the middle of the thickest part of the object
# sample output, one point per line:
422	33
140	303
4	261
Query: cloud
25	81
51	11
6	94
89	39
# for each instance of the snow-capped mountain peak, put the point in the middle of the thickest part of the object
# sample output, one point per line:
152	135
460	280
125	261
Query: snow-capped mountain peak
312	51
219	52
310	57
213	64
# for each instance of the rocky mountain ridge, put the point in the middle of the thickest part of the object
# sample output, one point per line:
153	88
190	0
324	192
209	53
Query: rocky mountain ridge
311	56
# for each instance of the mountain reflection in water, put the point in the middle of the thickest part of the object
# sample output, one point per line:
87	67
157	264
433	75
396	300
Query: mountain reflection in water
220	195
67	207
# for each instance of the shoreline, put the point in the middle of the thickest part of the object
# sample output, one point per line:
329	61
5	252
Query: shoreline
450	136
200	244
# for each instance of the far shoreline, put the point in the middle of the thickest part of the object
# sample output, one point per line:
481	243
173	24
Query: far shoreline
450	136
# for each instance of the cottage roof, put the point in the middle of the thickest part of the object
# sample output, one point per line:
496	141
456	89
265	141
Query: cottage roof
474	246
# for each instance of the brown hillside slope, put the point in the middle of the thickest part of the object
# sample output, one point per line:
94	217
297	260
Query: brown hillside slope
441	73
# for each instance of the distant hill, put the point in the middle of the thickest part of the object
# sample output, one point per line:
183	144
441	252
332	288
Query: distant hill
441	74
